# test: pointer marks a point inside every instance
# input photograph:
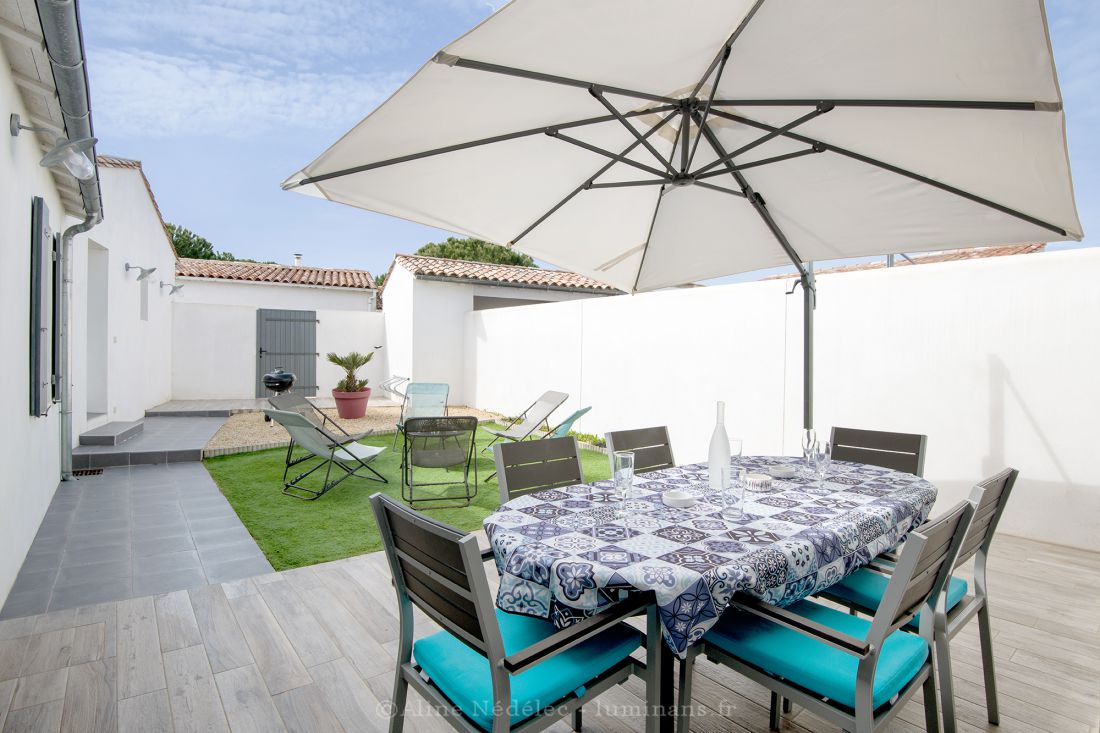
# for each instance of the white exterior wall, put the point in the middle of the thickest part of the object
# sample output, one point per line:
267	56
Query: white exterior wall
995	360
426	325
268	295
29	446
139	352
214	349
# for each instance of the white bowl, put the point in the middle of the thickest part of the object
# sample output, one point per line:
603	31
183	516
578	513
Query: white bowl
678	499
758	480
782	471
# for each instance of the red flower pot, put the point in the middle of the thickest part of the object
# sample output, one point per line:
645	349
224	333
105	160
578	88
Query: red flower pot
351	405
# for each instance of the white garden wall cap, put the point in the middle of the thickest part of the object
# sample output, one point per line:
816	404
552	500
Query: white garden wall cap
274	273
464	270
953	255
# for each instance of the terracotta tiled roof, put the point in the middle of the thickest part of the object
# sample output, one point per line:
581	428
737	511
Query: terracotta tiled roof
111	161
953	255
265	273
499	274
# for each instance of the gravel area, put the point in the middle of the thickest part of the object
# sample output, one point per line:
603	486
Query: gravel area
247	430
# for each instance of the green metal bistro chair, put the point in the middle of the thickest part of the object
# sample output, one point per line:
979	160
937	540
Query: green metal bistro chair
439	443
488	670
896	451
351	458
863	591
535	465
652	447
853	672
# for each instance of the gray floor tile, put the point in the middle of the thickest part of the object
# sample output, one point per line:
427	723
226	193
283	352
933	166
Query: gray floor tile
163	545
217	537
34	580
145	585
93	555
80	574
225	553
85	594
26	603
99	526
236	569
102	539
43	560
168	562
171	528
227	520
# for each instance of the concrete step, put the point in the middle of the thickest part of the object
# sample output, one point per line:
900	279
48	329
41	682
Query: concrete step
113	433
163	440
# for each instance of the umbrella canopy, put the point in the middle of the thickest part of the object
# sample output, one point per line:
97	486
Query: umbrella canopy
648	143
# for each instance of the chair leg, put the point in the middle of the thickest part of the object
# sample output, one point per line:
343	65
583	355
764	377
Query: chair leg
947	687
577	722
397	705
931	714
687	672
985	634
788	706
773	712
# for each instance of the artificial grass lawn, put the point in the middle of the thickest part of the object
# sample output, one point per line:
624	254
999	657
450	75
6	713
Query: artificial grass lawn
293	533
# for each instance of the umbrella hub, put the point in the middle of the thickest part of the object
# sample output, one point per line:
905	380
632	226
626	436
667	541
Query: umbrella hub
681	179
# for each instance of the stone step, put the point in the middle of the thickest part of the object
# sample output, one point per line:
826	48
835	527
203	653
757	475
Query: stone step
113	433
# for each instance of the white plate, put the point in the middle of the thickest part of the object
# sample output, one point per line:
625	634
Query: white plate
782	471
678	499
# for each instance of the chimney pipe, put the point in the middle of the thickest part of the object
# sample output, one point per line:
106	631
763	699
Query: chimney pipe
297	260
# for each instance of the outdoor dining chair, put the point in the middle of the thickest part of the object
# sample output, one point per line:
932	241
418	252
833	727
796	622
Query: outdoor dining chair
294	402
536	465
896	451
422	399
864	590
651	446
350	458
561	431
853	672
488	670
528	421
435	443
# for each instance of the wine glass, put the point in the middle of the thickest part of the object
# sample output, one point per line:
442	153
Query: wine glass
823	458
623	462
809	446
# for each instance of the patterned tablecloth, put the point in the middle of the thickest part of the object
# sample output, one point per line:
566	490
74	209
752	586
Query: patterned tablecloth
565	553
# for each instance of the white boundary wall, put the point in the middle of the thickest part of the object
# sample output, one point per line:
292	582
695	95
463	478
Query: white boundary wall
994	359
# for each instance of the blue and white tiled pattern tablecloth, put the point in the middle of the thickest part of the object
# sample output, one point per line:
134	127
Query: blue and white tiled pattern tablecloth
565	553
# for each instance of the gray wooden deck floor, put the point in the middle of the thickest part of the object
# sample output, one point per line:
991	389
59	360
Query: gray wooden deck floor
312	650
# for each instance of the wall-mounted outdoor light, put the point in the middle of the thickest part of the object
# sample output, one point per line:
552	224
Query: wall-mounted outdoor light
175	288
74	155
143	273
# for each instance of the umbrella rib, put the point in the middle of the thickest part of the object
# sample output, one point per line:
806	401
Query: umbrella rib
473	144
722	189
614	156
762	161
710	99
906	103
569	197
724	52
627	184
820	110
452	60
648	237
899	171
598	94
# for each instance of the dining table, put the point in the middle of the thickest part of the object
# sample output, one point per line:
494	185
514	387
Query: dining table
565	554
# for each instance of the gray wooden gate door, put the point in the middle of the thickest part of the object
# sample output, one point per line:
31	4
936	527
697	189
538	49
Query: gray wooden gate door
287	339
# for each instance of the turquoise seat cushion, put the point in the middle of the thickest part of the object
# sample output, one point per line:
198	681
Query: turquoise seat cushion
462	674
865	588
812	664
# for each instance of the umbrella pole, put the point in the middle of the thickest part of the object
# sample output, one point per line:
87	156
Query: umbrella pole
809	302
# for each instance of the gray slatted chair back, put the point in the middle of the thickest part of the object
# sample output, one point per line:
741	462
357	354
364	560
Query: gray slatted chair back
440	442
922	572
896	451
303	432
536	465
651	446
438	569
996	490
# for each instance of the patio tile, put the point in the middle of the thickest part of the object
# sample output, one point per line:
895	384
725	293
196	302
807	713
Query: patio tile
216	537
226	553
98	526
170	528
226	520
93	572
99	540
26	603
33	580
237	569
163	545
94	555
43	560
85	594
167	562
145	585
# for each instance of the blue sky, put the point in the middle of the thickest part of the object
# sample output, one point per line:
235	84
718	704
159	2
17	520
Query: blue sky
222	99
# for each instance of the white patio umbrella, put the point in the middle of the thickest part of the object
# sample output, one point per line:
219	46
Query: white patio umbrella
650	143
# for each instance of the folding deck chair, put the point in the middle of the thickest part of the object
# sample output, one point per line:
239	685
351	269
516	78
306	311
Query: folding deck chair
529	420
292	402
422	399
349	457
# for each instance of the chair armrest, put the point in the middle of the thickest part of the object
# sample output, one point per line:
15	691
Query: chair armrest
569	637
805	626
487	554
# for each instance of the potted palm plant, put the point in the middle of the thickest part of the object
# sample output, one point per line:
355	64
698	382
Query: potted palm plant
351	393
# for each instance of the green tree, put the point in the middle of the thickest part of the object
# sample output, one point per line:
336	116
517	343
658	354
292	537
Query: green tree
378	280
475	250
189	244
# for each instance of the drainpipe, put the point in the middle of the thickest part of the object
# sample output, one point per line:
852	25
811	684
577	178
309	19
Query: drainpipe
60	21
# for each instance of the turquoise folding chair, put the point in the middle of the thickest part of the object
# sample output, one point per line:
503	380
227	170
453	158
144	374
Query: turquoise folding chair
422	399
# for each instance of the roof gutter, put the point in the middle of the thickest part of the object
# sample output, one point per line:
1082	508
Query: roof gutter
522	286
60	21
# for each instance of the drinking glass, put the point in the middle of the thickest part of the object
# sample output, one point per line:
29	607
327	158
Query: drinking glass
733	494
624	476
735	451
809	446
823	458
